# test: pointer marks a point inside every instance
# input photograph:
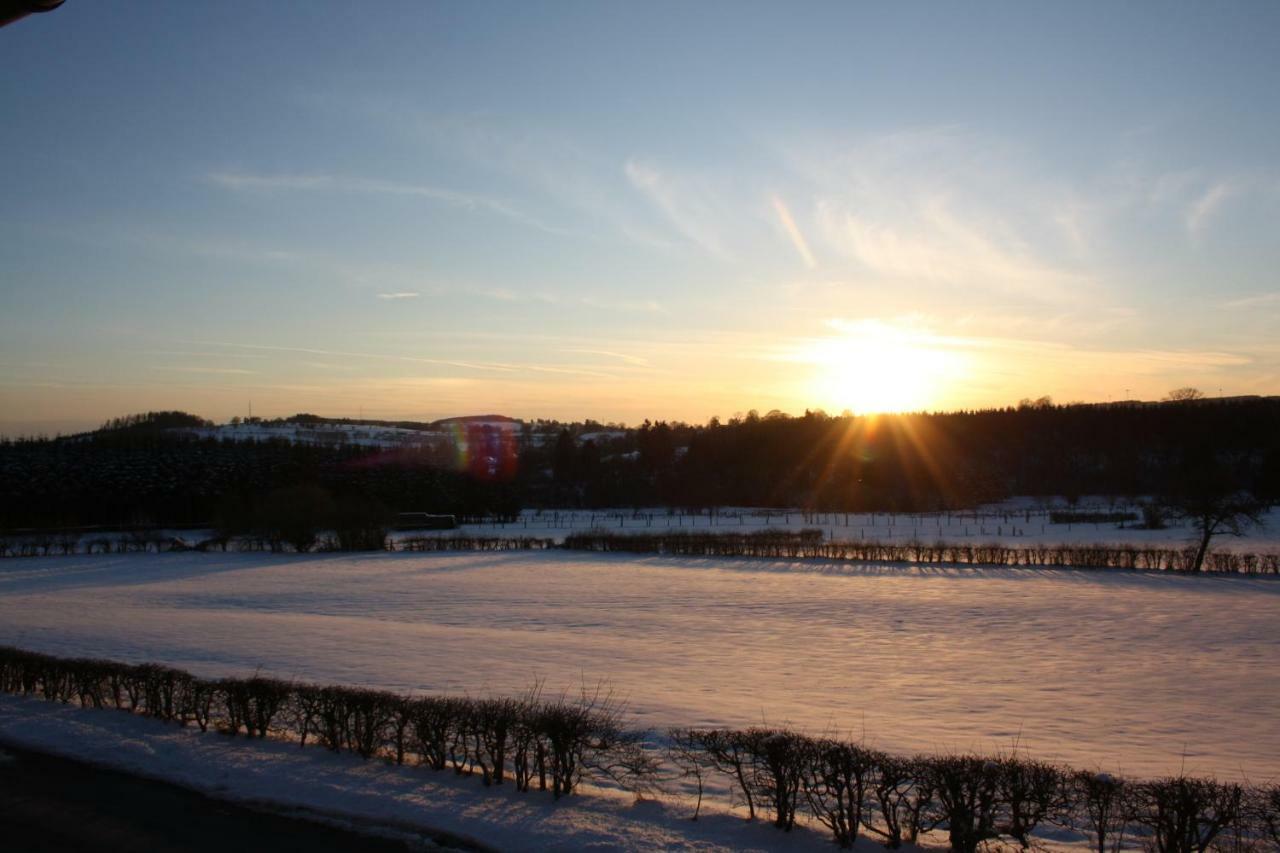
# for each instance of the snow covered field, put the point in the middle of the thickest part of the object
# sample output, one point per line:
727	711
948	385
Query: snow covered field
1140	673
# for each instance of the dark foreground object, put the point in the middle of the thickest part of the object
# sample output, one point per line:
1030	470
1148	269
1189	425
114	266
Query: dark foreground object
49	804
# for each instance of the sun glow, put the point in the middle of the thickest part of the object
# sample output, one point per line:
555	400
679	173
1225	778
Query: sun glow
874	367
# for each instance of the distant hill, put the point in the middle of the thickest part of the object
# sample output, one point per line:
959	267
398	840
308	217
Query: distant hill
478	419
171	466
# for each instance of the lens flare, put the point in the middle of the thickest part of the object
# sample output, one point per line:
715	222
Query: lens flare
486	450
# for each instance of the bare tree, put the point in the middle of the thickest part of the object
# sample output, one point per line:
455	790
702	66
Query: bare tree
1184	395
1212	512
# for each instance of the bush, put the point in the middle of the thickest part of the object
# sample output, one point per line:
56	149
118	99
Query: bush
837	778
1103	807
966	788
475	543
1185	815
1030	793
360	523
252	704
903	795
1264	813
292	517
1078	517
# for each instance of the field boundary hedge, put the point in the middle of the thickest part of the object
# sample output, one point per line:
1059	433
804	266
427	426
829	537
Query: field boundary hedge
72	544
553	743
810	544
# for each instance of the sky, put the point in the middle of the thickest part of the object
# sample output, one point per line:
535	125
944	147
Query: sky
626	211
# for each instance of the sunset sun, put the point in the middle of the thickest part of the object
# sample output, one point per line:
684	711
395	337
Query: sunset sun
874	367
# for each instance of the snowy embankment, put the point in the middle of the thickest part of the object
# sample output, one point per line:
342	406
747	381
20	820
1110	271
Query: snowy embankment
372	795
1136	673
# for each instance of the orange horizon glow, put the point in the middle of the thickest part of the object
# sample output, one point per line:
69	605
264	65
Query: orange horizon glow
867	366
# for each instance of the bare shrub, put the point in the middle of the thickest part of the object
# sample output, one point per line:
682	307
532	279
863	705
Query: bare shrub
164	690
1102	805
494	725
252	703
1030	793
686	754
1185	815
837	778
727	752
432	726
369	720
965	787
202	699
777	763
1263	810
566	727
903	796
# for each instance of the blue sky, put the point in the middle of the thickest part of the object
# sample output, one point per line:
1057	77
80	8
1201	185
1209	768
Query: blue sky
626	211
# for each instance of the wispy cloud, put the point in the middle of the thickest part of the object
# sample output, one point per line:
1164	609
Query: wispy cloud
623	357
647	306
568	175
408	359
489	366
789	227
205	354
227	371
687	208
1203	209
943	206
941	246
239	181
506	294
1261	300
326	365
401	294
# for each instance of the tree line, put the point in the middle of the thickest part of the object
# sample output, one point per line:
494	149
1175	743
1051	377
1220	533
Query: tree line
147	467
554	743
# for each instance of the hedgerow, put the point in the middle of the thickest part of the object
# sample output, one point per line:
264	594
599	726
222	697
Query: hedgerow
774	544
553	744
810	544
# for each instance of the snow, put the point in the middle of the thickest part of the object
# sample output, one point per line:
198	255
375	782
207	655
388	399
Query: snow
1134	673
345	788
1018	522
602	436
366	435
